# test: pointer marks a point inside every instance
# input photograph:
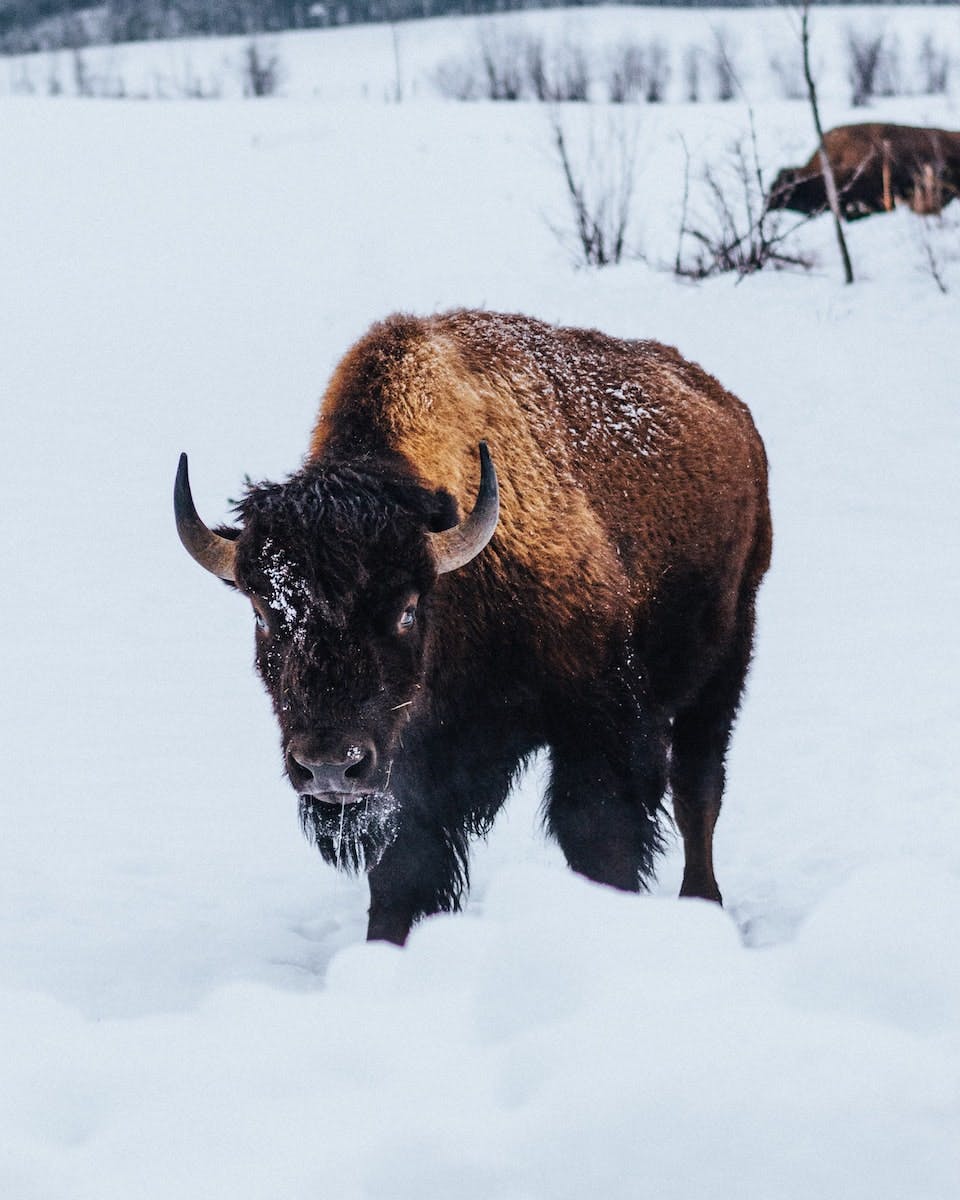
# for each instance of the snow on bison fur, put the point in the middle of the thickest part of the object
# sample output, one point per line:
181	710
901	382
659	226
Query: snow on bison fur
875	166
597	599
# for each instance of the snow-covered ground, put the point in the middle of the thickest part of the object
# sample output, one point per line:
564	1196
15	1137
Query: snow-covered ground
187	1008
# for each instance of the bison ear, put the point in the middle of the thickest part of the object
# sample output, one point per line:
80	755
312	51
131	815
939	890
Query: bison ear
443	512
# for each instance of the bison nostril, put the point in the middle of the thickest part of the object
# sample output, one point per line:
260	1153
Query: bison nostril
361	763
360	769
299	772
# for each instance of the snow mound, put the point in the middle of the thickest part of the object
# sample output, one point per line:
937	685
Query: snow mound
572	1041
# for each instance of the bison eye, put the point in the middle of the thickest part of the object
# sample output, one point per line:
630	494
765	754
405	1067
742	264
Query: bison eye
260	619
407	618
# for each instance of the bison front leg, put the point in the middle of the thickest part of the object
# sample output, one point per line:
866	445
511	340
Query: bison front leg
450	784
420	873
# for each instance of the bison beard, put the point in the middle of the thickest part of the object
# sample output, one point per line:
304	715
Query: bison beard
414	671
351	837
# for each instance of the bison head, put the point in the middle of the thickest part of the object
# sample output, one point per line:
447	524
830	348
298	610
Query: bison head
799	192
782	188
338	564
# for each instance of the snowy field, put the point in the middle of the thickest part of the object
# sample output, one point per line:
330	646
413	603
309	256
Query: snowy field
187	1007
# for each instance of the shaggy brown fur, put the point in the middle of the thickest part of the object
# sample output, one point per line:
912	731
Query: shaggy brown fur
610	618
876	166
619	462
633	513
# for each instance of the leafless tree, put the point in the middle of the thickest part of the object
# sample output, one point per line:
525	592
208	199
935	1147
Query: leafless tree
828	177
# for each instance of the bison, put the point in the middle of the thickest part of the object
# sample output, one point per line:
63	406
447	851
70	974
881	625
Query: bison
875	166
597	599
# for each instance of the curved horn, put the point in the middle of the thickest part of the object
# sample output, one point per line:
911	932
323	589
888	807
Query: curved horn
455	547
215	553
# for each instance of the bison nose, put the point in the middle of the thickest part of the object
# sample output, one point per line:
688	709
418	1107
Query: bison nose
340	771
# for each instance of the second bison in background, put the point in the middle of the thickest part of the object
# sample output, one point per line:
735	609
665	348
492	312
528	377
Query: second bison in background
876	166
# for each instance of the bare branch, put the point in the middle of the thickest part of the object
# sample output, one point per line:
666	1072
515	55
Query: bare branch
828	176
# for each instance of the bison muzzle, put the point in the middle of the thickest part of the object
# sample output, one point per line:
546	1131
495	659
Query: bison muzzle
596	599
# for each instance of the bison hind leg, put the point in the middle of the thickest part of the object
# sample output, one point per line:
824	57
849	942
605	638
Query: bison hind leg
701	735
608	778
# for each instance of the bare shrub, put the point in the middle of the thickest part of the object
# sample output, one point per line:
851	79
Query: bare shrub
514	66
22	84
536	64
563	74
938	240
571	74
83	83
456	79
873	66
260	71
787	69
188	85
504	63
692	70
723	64
626	73
638	72
734	232
890	82
658	60
54	86
933	68
599	188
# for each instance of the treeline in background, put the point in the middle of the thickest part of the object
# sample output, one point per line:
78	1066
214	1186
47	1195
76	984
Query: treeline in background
30	25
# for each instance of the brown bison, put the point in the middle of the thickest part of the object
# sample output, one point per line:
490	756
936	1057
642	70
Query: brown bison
598	600
875	166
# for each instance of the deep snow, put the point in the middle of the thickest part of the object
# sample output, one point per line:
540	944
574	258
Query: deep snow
186	1004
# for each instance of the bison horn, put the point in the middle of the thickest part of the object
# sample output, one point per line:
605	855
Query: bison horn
455	547
215	553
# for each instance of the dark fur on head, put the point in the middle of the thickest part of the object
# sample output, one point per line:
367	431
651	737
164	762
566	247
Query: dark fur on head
331	558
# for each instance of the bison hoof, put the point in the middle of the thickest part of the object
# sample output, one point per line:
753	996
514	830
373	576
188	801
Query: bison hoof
702	888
